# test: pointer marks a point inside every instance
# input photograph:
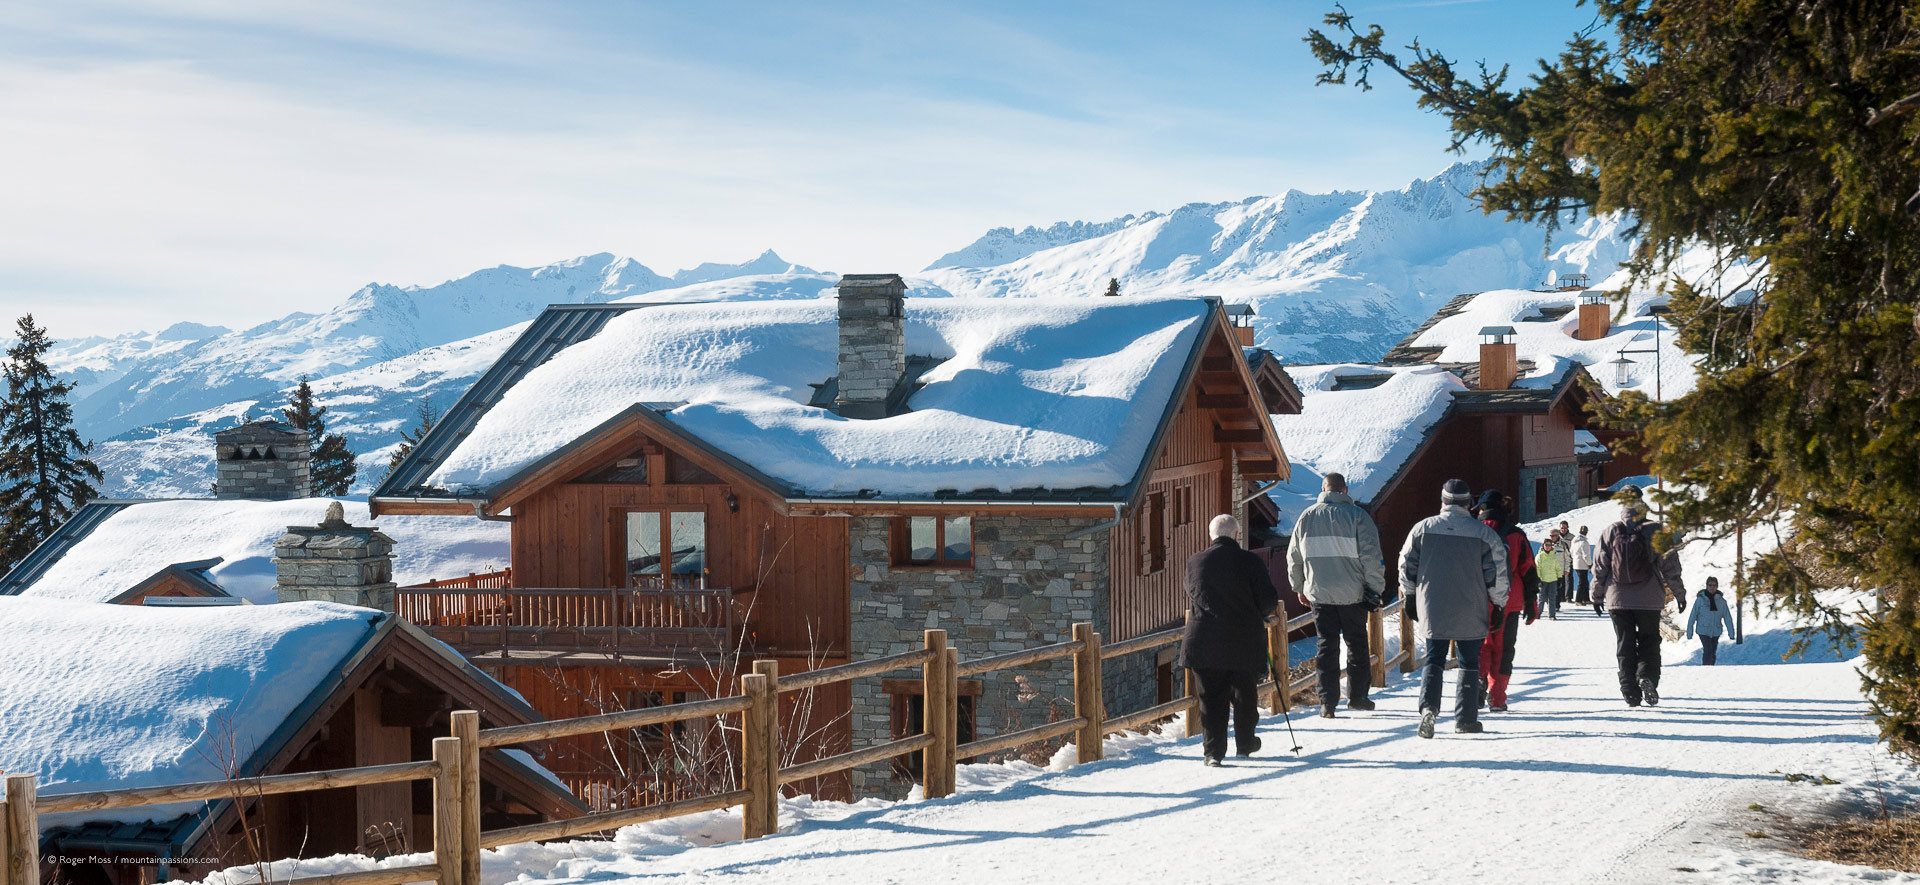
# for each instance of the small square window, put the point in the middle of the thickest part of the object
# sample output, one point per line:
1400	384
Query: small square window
933	541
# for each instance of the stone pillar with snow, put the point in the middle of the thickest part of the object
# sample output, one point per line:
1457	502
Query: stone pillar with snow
873	343
335	562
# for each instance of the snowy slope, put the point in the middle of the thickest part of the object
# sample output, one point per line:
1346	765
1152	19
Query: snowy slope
141	540
114	696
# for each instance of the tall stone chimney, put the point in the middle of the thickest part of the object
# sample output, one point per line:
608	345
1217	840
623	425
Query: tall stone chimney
1499	362
264	460
1596	318
873	342
335	562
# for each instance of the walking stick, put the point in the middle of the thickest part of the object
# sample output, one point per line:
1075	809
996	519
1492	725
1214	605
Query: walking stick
1280	685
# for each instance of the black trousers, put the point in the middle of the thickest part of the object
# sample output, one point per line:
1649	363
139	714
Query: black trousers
1636	637
1343	622
1220	689
1709	649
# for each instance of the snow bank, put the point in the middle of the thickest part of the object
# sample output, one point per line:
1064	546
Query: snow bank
1364	434
113	696
133	544
1053	393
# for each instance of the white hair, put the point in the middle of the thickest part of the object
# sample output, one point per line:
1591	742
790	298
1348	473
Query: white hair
1224	526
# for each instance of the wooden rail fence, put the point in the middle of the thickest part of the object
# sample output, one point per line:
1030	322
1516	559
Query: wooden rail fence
455	766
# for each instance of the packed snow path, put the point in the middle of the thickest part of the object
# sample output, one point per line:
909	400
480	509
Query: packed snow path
1569	786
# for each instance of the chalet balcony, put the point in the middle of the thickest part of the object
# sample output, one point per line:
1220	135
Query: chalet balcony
532	625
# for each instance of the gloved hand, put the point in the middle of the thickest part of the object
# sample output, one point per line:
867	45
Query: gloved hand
1495	617
1533	612
1412	608
1370	598
1682	603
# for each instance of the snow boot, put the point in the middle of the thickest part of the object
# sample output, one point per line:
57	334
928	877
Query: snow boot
1211	762
1471	726
1252	746
1497	708
1362	704
1327	713
1650	691
1426	722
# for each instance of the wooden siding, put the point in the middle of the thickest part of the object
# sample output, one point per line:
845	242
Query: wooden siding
1189	480
1548	438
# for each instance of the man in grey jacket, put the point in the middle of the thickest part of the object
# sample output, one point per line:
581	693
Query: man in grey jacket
1454	572
1333	559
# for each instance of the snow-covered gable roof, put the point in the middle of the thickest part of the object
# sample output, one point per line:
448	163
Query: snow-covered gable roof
134	541
99	696
1030	394
1360	421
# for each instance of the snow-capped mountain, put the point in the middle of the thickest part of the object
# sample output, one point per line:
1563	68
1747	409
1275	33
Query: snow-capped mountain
1334	277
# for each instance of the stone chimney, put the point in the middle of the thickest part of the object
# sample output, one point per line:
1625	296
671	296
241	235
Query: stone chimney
335	562
873	343
1498	360
265	460
1596	317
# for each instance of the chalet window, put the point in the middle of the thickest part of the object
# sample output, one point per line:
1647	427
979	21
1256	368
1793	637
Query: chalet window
1153	531
1540	502
934	541
630	470
909	718
666	548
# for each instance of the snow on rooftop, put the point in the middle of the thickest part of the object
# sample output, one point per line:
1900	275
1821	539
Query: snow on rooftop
1365	434
1550	344
115	696
1585	443
137	542
1052	393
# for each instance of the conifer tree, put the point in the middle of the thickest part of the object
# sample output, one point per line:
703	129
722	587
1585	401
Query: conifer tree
333	463
425	418
44	471
1113	286
1786	135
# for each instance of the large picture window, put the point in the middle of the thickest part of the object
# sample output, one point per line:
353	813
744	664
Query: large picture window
933	541
667	549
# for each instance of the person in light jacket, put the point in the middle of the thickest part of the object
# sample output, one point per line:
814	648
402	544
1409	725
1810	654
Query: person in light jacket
1550	565
1580	559
1453	570
1712	618
1334	561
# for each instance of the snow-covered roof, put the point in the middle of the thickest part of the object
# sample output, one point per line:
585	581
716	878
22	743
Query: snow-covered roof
1548	343
99	697
135	541
1364	427
1041	393
1585	443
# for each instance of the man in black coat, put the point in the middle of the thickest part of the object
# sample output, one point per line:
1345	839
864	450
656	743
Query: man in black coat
1229	598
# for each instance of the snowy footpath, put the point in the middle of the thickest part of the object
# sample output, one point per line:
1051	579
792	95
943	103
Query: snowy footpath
1571	785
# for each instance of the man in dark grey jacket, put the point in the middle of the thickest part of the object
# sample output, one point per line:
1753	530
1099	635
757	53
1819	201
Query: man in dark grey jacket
1632	579
1333	559
1453	570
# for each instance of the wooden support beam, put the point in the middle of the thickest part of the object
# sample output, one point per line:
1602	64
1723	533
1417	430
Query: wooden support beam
466	727
1223	401
1222	435
446	812
1087	701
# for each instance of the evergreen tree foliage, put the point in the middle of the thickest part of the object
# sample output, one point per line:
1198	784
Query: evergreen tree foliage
1782	132
44	471
333	463
425	417
1113	286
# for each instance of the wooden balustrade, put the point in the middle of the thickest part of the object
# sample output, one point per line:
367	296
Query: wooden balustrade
484	580
616	621
455	766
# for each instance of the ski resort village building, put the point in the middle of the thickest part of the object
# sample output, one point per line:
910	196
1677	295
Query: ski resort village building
1492	389
691	487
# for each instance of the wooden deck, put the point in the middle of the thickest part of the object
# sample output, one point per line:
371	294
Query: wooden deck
574	625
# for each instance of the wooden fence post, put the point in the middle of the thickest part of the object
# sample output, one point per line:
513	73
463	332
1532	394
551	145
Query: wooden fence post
1406	641
466	727
23	831
5	856
940	714
446	811
1193	690
1088	701
758	768
1282	672
1377	637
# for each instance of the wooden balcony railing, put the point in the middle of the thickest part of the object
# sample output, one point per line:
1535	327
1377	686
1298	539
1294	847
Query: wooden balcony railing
485	580
617	622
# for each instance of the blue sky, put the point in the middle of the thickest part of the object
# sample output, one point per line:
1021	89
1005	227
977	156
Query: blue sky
229	162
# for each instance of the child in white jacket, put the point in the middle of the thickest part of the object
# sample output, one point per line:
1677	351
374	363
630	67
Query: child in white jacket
1712	617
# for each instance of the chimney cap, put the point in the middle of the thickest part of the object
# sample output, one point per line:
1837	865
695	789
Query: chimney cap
1497	330
870	281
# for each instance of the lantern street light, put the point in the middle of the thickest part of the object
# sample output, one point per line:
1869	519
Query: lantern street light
1624	364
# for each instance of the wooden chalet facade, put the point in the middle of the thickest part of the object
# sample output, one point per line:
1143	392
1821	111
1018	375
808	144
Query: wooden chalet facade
664	564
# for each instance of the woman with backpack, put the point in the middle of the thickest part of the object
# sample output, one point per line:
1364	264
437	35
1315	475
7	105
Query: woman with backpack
1523	598
1632	580
1711	618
